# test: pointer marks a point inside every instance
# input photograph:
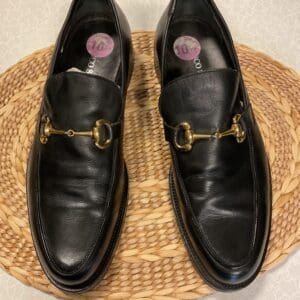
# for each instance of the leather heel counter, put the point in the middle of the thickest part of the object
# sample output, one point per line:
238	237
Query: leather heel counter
161	33
125	31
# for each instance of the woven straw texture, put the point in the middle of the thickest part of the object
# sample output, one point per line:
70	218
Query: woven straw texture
151	261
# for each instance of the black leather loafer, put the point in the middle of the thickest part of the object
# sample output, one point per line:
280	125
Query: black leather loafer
220	181
77	179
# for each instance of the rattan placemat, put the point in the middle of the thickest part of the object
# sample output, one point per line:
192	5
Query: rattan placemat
151	261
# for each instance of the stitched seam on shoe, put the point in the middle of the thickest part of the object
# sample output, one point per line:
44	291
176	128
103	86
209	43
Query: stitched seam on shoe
254	174
258	215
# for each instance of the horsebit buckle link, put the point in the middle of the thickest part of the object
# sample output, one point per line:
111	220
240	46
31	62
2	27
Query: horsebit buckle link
189	137
48	130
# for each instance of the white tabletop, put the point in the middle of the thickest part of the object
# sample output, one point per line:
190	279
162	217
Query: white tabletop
270	26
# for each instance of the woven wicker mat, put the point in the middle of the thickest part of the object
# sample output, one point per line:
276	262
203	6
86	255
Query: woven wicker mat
151	261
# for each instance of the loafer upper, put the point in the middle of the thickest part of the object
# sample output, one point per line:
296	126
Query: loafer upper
76	188
75	176
221	185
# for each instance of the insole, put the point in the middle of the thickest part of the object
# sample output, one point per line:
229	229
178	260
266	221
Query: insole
193	47
93	47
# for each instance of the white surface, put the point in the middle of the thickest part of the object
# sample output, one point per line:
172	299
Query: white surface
271	26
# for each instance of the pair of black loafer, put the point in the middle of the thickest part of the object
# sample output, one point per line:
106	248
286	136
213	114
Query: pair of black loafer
77	179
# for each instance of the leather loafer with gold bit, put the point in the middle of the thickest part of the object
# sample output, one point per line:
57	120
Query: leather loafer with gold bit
77	179
220	181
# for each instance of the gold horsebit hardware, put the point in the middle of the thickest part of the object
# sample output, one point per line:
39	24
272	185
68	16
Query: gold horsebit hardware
48	130
189	137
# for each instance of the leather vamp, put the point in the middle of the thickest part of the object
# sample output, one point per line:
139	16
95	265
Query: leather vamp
217	173
75	176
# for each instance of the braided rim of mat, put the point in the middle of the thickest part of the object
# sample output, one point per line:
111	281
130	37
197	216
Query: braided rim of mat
151	261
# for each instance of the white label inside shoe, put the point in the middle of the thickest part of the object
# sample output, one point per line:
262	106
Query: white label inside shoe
100	45
187	48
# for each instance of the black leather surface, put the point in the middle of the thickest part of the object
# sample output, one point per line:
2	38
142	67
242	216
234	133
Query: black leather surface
74	175
77	192
221	189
